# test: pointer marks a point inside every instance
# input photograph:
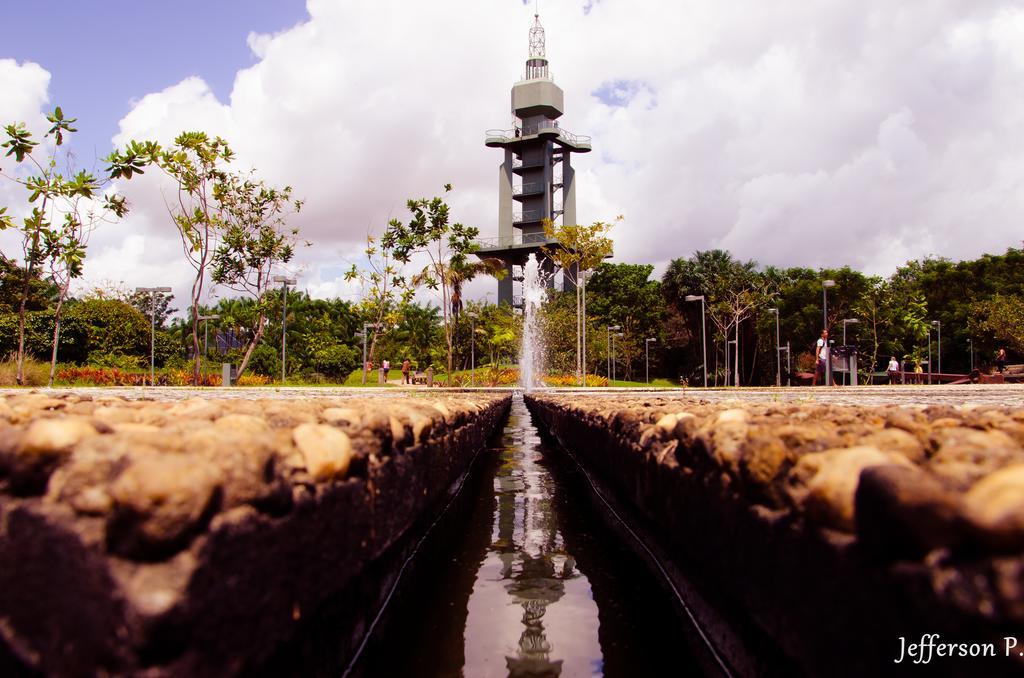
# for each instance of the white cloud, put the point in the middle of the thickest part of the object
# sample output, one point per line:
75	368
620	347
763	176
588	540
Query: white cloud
24	92
23	96
794	133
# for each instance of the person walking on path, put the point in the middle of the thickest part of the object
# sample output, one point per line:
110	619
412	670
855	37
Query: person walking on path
1001	360
386	366
821	358
406	366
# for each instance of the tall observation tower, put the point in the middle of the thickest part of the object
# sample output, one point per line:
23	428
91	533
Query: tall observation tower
536	180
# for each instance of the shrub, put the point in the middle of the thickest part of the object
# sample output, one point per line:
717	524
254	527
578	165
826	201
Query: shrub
265	360
101	376
253	380
37	373
335	360
122	362
111	326
498	376
39	336
95	326
572	380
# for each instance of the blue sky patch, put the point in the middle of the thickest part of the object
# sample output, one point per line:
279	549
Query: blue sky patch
619	92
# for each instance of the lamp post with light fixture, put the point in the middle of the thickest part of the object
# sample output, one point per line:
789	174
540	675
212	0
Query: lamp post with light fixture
285	282
473	315
647	359
778	352
613	353
608	339
703	333
825	284
206	332
152	292
846	374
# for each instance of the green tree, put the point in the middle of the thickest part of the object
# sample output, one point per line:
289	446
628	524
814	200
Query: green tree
445	245
198	164
385	291
415	334
255	240
732	289
157	306
65	207
1001	316
623	294
41	293
580	249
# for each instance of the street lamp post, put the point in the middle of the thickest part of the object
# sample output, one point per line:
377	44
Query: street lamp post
647	359
778	352
703	333
472	346
285	282
938	349
613	353
929	355
152	291
825	284
788	369
970	344
584	276
206	332
365	327
846	374
736	371
608	339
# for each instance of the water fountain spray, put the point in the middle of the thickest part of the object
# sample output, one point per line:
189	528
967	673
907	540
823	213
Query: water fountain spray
531	358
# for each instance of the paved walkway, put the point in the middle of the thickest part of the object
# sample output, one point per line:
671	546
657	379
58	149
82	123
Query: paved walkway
1007	395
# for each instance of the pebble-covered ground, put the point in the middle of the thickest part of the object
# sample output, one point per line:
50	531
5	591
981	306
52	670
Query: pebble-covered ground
808	454
912	494
130	518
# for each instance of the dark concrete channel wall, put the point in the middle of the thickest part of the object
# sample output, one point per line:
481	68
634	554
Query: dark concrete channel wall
276	572
779	588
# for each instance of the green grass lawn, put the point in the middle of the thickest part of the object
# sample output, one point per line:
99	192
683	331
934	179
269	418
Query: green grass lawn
655	383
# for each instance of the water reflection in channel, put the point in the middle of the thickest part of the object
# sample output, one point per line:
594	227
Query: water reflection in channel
526	581
531	608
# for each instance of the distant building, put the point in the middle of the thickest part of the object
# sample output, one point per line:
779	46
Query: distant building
536	180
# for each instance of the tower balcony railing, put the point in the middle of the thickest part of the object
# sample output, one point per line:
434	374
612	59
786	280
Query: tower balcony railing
495	137
515	240
517	163
543	127
525	216
529	188
578	140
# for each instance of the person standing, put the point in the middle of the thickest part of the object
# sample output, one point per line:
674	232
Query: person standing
386	366
406	366
893	370
821	358
1001	360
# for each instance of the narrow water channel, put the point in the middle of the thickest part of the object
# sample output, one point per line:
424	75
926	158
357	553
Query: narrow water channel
524	579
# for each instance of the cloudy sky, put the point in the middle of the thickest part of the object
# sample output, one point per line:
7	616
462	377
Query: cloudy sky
813	133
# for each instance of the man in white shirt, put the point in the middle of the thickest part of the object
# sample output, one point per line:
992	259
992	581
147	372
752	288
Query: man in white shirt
893	370
821	358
